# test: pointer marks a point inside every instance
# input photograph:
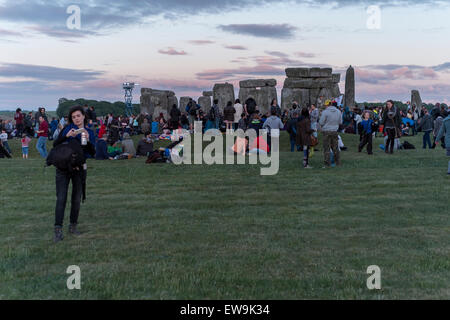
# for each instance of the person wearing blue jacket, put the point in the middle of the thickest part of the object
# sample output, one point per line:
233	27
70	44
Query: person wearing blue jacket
77	120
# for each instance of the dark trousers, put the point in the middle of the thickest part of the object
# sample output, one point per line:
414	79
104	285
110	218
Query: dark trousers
426	140
366	139
62	188
391	140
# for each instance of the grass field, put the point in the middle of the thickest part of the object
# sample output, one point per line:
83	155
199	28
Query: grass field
224	232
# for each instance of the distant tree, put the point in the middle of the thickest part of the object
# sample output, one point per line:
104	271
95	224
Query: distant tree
102	108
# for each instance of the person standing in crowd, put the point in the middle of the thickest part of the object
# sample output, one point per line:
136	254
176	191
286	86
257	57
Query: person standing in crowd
25	145
415	118
19	118
4	139
3	152
214	114
275	105
392	123
329	122
291	128
273	125
304	132
93	116
314	116
228	116
145	127
426	125
175	115
444	132
237	116
436	128
294	109
53	127
77	120
40	113
366	129
42	134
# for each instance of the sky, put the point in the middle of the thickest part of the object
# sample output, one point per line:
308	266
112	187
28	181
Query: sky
189	45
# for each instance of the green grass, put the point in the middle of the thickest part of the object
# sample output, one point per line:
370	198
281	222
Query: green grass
224	232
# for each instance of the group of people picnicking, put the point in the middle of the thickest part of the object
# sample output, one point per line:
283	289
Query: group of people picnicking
82	135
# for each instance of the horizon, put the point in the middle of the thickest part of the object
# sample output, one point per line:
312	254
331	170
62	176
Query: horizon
187	47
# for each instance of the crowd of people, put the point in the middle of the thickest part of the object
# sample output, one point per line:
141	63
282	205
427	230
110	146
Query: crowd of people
113	134
85	135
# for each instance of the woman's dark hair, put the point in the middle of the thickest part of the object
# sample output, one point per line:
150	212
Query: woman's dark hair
237	101
19	110
75	109
273	100
229	104
305	113
391	101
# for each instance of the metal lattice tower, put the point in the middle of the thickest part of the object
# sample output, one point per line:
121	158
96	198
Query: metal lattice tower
128	87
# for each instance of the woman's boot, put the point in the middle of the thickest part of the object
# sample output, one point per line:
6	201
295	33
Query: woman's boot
58	235
73	229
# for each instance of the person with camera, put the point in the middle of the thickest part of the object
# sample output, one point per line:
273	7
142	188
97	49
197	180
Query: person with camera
78	135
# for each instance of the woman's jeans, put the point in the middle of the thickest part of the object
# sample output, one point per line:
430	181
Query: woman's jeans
62	187
41	146
293	144
427	140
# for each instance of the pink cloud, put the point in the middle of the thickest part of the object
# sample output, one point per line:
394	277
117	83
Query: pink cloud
172	52
201	42
236	47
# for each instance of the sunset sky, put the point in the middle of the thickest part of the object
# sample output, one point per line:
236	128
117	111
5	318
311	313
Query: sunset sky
187	46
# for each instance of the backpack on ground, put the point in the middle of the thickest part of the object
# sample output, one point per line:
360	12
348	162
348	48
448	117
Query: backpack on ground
407	146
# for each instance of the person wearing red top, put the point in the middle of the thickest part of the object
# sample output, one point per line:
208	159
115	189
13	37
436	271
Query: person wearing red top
18	117
41	144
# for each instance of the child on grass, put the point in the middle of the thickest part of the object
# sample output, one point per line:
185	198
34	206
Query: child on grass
25	142
366	129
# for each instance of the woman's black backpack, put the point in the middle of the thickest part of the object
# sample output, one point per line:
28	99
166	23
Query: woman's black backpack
67	156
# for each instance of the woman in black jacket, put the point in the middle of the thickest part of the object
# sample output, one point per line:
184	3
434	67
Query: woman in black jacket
77	121
392	123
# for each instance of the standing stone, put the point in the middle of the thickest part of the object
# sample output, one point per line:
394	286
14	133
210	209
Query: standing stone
313	96
350	88
288	96
183	103
263	91
155	102
205	103
416	99
335	91
224	92
207	93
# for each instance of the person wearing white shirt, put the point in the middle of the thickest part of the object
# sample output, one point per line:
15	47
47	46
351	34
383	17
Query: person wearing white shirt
239	110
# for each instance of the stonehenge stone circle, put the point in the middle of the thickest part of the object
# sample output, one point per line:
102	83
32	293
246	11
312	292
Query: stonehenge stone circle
306	85
205	101
263	91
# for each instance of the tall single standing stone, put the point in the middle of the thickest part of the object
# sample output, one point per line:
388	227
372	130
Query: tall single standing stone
416	100
350	88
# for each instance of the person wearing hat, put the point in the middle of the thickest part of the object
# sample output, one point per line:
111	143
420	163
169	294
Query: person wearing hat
329	122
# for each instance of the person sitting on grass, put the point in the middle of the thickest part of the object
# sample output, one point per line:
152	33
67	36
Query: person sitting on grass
145	145
114	150
128	146
101	148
